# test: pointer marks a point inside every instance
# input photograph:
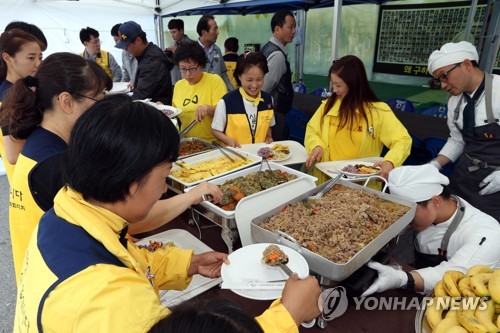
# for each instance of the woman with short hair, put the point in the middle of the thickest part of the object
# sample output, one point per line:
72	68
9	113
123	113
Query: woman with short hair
198	92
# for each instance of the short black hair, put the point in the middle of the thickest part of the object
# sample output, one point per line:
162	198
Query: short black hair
116	143
203	23
176	24
231	44
85	34
31	29
191	51
114	30
247	60
208	315
279	18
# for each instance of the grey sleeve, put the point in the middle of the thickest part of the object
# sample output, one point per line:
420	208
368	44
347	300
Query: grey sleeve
276	65
115	68
126	74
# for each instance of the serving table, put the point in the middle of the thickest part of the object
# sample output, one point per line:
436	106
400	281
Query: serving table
366	318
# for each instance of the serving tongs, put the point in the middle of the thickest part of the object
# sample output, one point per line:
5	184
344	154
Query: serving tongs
223	150
187	129
326	187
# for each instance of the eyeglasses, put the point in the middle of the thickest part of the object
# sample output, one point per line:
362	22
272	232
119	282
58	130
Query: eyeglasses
444	77
85	96
95	41
189	70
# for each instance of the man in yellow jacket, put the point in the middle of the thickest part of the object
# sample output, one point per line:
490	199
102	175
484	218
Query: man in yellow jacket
82	274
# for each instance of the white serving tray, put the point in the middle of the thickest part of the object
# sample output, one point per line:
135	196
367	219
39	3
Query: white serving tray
221	180
212	155
199	284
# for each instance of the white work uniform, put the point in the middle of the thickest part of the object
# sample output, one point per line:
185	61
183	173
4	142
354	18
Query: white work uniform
475	241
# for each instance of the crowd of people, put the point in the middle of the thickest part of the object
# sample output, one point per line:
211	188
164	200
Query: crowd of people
88	171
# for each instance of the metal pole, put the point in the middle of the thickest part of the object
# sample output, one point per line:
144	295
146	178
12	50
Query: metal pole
470	19
491	39
337	12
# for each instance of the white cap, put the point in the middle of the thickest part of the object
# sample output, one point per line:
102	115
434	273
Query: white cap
452	53
416	182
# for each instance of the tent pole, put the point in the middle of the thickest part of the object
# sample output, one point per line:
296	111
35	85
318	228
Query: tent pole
491	39
337	12
470	19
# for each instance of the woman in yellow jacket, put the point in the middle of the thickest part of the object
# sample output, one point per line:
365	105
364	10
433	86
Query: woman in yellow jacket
353	123
81	273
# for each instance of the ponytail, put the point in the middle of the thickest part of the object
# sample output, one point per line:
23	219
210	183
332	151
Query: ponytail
21	111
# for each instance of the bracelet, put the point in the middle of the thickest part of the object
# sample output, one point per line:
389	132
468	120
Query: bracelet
410	285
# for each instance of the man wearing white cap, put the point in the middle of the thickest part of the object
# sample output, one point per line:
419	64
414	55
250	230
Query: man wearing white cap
473	119
451	234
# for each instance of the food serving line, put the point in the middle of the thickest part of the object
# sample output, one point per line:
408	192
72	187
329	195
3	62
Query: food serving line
227	219
243	224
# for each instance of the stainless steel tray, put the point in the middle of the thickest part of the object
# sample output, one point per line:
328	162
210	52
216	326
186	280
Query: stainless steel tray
206	156
192	139
319	264
221	180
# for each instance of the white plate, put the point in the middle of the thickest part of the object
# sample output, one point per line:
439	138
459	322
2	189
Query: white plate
118	88
286	157
167	110
246	264
339	168
199	284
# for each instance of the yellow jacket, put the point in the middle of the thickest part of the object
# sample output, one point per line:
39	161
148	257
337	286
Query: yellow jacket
383	129
79	277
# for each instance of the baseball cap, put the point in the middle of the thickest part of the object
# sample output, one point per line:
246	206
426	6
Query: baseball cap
452	53
127	32
416	182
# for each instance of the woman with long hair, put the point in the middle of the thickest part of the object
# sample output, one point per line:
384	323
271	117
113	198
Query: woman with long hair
21	54
42	110
353	123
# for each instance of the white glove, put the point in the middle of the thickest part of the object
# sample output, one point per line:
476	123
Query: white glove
435	164
492	182
388	278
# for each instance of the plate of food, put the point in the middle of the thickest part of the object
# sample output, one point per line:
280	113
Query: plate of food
275	152
358	169
118	88
254	270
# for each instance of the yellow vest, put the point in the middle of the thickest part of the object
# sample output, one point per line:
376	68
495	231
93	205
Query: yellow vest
237	124
9	168
231	67
103	61
24	211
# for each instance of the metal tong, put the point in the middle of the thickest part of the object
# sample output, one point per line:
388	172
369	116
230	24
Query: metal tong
187	129
329	184
224	149
326	187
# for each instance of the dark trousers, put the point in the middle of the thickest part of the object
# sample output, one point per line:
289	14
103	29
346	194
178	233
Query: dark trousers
280	130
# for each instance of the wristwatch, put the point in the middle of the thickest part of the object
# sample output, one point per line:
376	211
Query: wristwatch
410	284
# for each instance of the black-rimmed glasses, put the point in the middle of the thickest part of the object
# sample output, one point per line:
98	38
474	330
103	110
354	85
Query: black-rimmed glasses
444	77
188	70
85	96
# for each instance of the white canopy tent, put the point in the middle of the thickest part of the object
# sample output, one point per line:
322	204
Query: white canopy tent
61	21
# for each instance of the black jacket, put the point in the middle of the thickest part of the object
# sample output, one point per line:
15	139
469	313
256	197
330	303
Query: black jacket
153	76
